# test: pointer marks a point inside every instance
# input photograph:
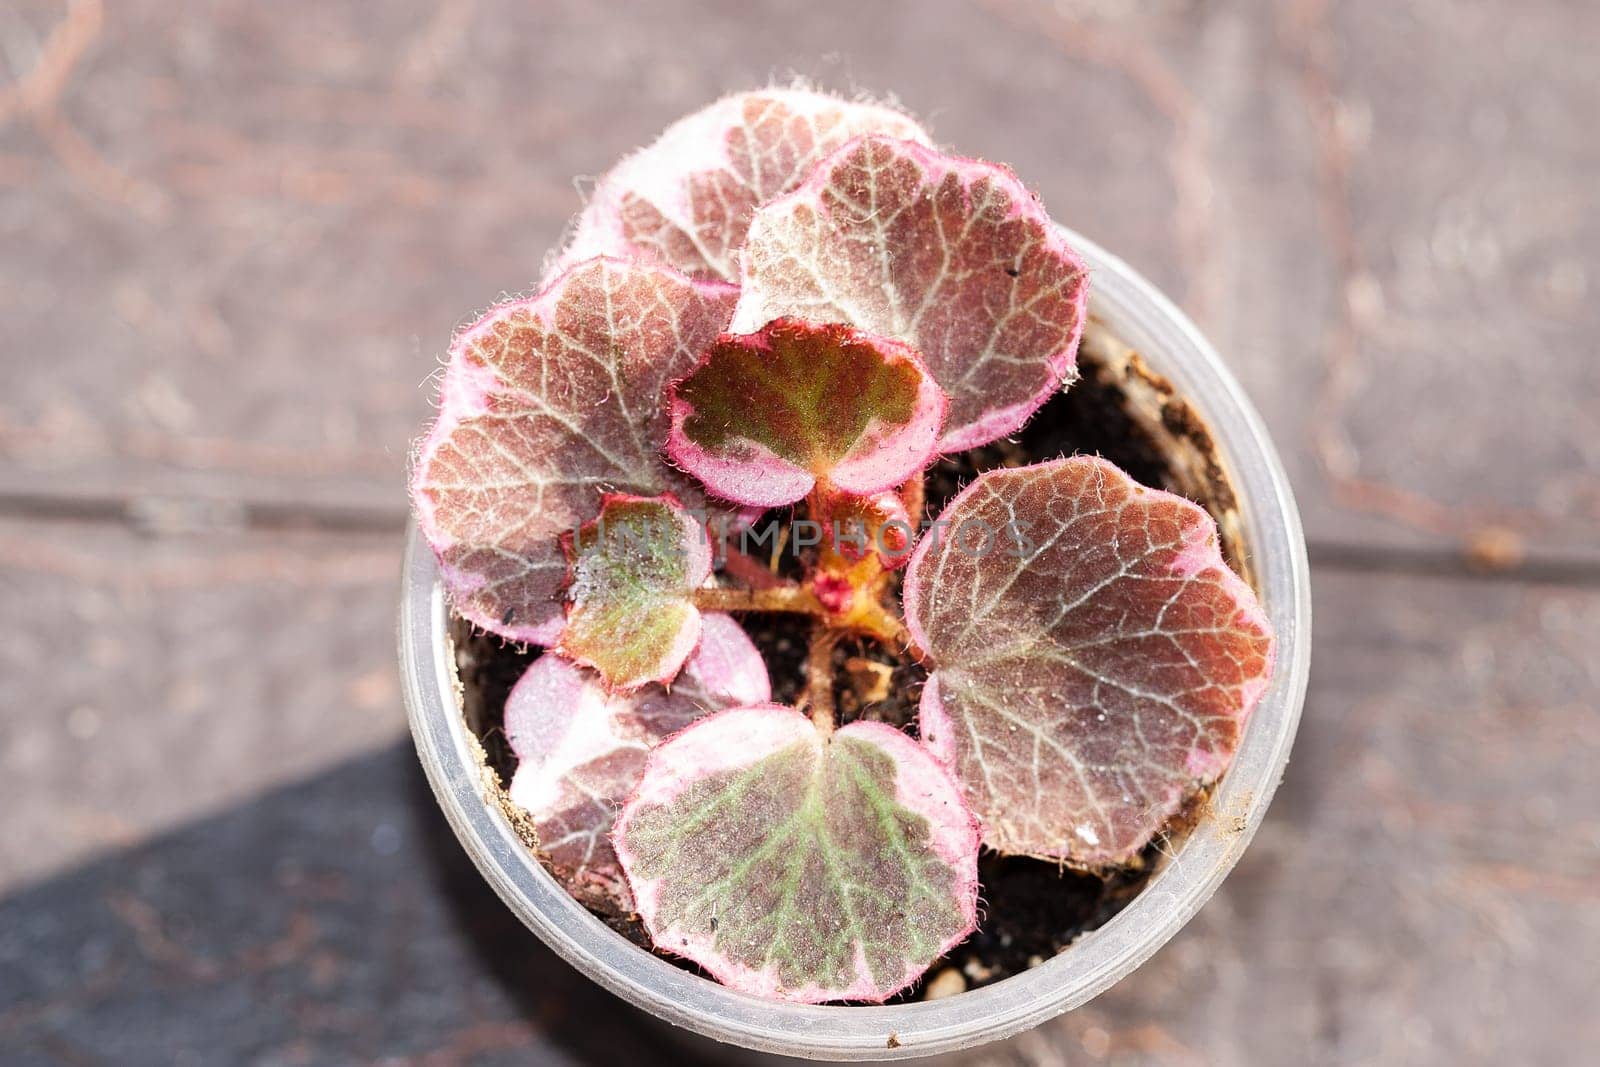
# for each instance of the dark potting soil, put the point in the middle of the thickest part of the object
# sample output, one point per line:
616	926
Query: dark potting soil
1030	909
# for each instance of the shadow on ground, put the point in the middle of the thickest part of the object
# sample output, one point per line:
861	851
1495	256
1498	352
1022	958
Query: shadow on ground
336	920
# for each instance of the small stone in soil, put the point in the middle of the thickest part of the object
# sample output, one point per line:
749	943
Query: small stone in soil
947	983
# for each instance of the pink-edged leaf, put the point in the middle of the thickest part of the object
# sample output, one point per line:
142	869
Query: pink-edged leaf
766	416
634	571
859	525
547	403
686	200
1094	659
581	748
952	256
796	866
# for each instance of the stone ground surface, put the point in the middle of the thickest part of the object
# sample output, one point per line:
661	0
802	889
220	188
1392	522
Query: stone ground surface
235	237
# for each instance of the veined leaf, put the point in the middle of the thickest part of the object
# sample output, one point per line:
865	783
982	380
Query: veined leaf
768	415
686	200
1091	666
634	572
581	748
796	866
952	256
546	404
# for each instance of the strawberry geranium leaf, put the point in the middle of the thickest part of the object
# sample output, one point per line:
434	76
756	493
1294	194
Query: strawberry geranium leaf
766	416
1093	657
953	256
581	748
797	866
546	403
686	200
634	571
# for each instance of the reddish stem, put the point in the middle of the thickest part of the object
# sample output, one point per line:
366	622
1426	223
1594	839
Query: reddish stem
751	571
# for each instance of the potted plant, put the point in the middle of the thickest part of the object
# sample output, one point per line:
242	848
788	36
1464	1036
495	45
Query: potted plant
765	604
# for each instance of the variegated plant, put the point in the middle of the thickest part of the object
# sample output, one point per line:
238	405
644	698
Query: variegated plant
795	302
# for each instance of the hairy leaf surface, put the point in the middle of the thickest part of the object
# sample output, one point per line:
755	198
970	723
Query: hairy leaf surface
766	416
799	867
634	571
952	256
581	749
856	526
1092	666
546	404
686	200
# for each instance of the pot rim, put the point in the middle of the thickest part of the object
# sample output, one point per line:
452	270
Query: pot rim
1140	316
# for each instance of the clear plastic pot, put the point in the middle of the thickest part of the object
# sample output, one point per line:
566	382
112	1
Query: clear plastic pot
1270	531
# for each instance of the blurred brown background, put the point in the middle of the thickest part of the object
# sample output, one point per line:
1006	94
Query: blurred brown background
235	239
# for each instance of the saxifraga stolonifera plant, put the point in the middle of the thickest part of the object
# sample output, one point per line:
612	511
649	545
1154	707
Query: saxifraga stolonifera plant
795	302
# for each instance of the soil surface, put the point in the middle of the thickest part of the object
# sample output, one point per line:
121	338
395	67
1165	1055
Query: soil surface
1030	909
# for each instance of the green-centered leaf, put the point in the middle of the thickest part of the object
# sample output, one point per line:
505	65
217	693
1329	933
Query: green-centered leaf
766	416
633	574
797	866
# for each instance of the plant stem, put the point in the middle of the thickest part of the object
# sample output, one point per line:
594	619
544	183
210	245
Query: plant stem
878	622
751	571
863	612
795	599
818	696
914	496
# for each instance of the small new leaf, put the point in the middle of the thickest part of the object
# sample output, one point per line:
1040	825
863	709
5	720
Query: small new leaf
766	416
800	867
857	526
952	256
581	749
634	572
686	200
544	403
1094	659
